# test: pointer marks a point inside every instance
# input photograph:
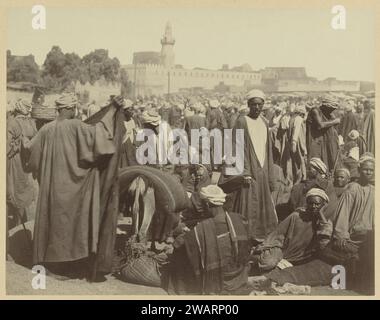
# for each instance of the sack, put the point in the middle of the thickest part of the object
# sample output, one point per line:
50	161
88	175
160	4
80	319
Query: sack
143	270
332	255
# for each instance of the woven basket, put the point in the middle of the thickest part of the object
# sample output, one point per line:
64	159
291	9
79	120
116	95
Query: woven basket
143	271
44	112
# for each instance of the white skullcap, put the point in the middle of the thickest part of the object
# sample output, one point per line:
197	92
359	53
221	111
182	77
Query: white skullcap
353	135
127	103
255	93
317	192
214	103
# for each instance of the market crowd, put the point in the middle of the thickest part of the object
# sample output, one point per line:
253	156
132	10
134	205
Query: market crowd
304	202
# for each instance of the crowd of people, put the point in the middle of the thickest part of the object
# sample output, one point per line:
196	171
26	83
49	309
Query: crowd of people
305	196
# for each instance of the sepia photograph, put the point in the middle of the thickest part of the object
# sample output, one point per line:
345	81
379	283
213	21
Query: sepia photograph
176	150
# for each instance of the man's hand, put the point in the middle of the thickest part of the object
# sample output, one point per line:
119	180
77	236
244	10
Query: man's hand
118	101
336	121
322	214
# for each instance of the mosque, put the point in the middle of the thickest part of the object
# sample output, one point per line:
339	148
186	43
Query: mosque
156	72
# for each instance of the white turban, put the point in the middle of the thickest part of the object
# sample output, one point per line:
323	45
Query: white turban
317	192
197	107
345	170
127	104
66	100
330	102
255	94
214	103
366	157
151	117
353	135
319	165
349	105
213	194
300	109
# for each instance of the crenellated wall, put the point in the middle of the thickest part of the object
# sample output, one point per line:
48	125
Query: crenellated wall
153	78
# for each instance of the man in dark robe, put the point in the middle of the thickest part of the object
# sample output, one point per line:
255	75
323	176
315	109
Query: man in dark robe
252	198
298	238
215	120
176	119
211	258
349	121
21	191
232	115
341	180
298	144
283	138
352	238
321	135
128	157
360	117
215	116
369	128
316	178
195	121
70	159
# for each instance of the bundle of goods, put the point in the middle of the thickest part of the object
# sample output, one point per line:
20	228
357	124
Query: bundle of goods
40	108
140	265
43	112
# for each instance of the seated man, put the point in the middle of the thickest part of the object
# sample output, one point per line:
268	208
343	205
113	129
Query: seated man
316	178
298	237
352	237
211	258
341	179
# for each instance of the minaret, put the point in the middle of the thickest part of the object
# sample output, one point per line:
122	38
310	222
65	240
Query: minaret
167	42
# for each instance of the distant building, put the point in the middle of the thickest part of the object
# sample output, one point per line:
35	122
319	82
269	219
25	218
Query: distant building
153	74
290	79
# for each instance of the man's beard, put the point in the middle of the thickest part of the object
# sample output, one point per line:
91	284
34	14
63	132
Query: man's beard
254	115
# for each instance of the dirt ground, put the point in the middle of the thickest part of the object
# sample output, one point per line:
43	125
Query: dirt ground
19	277
19	281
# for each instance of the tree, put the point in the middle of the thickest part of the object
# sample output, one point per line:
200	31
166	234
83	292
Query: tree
98	64
22	68
54	63
60	69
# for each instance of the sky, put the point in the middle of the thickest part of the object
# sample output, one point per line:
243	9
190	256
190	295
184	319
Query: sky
208	38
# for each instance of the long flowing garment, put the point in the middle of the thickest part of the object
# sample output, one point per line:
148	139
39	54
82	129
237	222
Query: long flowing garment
254	202
355	212
21	189
72	161
296	239
212	258
322	143
369	131
298	134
